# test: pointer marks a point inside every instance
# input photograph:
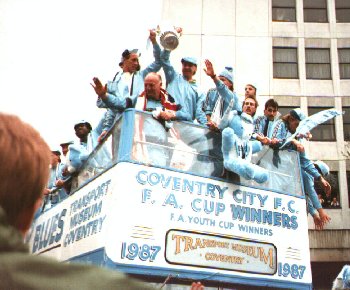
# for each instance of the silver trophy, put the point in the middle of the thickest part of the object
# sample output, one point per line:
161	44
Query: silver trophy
169	36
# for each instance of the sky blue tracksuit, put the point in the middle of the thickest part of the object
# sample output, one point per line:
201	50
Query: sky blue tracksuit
118	90
237	146
184	92
308	170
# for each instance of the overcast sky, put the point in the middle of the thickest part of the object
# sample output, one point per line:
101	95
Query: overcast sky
50	50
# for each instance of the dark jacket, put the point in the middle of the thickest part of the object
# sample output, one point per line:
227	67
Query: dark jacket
20	270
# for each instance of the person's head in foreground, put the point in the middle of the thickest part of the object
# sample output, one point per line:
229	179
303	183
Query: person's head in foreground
24	170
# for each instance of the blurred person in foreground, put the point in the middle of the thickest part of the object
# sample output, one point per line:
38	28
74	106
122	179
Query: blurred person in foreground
24	175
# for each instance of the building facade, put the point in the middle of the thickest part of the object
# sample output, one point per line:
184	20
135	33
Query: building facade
297	52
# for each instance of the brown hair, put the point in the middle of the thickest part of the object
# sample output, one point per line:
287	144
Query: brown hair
24	170
271	103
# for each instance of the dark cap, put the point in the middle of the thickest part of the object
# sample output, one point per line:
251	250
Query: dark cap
297	114
126	53
83	122
56	152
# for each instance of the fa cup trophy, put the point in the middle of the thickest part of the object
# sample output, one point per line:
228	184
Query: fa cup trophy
169	36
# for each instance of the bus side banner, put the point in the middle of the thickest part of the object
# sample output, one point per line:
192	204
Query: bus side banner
146	217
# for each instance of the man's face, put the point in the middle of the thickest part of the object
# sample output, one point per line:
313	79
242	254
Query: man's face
249	91
188	70
226	82
293	124
270	113
131	64
64	149
249	106
152	87
55	159
81	130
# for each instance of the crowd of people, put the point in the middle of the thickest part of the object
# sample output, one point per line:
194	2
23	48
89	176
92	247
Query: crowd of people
220	109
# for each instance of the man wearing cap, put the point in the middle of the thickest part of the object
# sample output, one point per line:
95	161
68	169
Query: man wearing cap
284	128
218	98
56	167
77	153
184	89
80	151
127	85
64	147
62	182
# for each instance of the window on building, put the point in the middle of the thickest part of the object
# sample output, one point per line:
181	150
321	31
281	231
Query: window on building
346	123
344	62
332	200
315	11
325	131
318	63
342	10
283	10
285	62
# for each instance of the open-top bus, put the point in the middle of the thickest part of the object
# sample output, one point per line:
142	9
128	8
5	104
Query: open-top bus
155	202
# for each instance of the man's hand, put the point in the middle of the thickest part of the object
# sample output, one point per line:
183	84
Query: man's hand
213	126
326	186
65	171
318	222
152	36
178	30
209	70
59	183
197	286
274	141
324	216
46	191
100	138
100	89
307	136
264	140
300	147
167	115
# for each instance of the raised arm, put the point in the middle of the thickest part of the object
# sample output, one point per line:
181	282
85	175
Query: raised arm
223	90
156	64
169	70
109	95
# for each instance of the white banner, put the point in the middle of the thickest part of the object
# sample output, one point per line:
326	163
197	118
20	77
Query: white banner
149	217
